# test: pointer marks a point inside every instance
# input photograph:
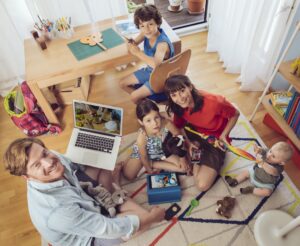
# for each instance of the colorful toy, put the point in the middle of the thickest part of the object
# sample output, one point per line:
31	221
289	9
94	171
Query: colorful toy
94	39
220	144
194	203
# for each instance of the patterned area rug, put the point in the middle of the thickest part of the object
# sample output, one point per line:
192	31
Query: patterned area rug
204	227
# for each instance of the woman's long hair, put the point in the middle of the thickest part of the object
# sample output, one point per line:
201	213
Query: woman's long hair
176	83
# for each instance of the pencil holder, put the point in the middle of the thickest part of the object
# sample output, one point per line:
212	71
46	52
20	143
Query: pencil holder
47	35
66	34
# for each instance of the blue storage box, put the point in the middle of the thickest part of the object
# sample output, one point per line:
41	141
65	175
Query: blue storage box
163	188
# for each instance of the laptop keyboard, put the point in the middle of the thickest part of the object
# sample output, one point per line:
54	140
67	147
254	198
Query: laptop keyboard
93	142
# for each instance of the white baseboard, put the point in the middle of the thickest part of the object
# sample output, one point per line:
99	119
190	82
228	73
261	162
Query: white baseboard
191	29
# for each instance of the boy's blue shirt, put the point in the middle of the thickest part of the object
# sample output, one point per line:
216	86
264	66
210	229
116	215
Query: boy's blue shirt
150	51
143	74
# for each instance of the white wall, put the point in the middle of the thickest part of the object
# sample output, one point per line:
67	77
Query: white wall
279	83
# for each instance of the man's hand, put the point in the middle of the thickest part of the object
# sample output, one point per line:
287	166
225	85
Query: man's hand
157	214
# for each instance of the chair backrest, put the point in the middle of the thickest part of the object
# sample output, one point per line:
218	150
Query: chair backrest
176	65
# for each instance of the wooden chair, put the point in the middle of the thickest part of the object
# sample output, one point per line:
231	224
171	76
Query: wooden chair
176	65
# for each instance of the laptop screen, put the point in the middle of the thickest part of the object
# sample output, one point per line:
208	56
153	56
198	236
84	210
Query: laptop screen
98	118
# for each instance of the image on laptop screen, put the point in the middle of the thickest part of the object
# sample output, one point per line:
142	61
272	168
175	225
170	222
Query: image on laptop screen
97	118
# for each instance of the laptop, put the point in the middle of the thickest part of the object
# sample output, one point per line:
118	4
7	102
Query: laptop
96	136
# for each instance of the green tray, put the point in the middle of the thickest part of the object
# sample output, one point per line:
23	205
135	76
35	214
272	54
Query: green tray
82	51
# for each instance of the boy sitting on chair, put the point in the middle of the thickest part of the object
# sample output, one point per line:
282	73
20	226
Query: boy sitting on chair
157	48
266	171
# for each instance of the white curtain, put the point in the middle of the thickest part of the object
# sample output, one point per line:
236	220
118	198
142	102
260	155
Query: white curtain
13	29
248	36
18	17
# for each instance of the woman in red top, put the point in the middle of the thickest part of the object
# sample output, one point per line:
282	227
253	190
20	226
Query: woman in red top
205	113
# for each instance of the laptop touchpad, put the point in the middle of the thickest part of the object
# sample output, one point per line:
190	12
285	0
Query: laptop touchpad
89	157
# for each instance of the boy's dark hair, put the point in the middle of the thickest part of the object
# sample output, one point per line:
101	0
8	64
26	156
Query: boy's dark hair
176	83
144	107
145	13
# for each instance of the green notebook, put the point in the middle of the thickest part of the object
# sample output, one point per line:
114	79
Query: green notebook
82	51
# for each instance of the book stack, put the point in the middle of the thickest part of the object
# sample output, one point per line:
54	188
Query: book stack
292	114
280	101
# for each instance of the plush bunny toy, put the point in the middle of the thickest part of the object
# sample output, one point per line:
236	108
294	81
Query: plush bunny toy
104	197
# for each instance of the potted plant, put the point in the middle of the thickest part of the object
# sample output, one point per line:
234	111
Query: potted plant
175	5
196	6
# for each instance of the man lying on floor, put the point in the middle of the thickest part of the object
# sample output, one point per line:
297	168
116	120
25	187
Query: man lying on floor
60	210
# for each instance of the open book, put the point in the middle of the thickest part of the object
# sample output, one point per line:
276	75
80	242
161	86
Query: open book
126	27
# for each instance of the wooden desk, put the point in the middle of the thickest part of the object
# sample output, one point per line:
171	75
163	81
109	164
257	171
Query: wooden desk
57	64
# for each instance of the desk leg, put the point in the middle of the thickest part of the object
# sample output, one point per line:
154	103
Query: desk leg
43	103
85	86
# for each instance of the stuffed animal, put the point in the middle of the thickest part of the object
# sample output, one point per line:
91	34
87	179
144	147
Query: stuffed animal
225	206
104	197
174	146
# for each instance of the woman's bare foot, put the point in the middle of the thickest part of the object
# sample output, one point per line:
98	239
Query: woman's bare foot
116	173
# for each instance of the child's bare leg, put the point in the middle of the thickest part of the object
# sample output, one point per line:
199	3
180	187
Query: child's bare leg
139	94
172	163
242	176
262	192
204	176
127	82
131	168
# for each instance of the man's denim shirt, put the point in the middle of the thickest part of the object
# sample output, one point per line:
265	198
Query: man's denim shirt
65	215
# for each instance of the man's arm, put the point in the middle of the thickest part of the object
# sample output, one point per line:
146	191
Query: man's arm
156	214
76	220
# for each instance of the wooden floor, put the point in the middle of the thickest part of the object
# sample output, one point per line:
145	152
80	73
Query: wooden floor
205	71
